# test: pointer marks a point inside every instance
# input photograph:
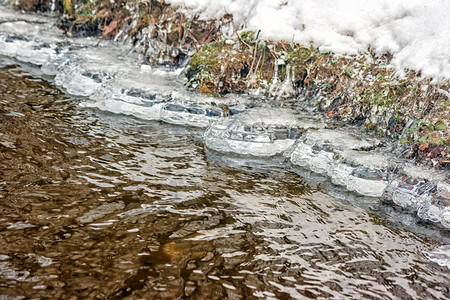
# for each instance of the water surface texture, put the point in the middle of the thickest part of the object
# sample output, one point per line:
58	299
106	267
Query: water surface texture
102	205
96	204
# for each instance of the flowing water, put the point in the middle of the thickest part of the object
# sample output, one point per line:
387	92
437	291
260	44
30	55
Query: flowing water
100	199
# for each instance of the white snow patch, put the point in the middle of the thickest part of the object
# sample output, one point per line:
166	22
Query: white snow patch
416	32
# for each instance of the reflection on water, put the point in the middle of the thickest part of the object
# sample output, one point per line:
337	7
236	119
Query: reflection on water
105	206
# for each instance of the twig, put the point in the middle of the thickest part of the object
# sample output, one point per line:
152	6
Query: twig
240	40
193	37
259	60
208	38
263	56
273	54
253	58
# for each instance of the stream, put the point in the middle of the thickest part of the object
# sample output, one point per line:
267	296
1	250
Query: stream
118	183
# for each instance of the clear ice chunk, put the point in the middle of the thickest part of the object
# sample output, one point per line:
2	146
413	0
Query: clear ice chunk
344	158
190	113
440	256
339	140
260	132
425	191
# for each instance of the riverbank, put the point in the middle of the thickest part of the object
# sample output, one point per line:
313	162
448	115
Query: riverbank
104	206
241	133
362	90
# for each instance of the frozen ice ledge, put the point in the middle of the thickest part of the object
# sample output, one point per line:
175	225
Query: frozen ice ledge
349	159
112	78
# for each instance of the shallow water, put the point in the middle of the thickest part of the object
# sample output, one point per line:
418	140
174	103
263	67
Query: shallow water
110	76
97	205
99	199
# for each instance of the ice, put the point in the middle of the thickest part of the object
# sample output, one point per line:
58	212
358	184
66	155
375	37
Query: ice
25	50
256	164
115	96
426	192
190	113
195	110
361	165
109	77
372	159
77	81
345	159
440	255
339	140
255	132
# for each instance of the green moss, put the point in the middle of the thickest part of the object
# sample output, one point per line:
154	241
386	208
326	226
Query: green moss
423	139
248	37
327	86
440	125
405	141
424	131
299	55
385	95
68	7
348	72
208	57
85	9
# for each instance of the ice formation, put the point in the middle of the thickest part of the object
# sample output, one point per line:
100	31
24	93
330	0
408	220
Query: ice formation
100	75
256	132
440	255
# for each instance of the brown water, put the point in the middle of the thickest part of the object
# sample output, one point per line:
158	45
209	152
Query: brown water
96	206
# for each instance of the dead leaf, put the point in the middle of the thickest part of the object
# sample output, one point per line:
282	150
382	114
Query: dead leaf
347	110
424	146
108	30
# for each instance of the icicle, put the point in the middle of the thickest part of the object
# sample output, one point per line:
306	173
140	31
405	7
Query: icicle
274	81
287	88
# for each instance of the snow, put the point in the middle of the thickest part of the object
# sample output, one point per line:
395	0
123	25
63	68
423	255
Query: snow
415	32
